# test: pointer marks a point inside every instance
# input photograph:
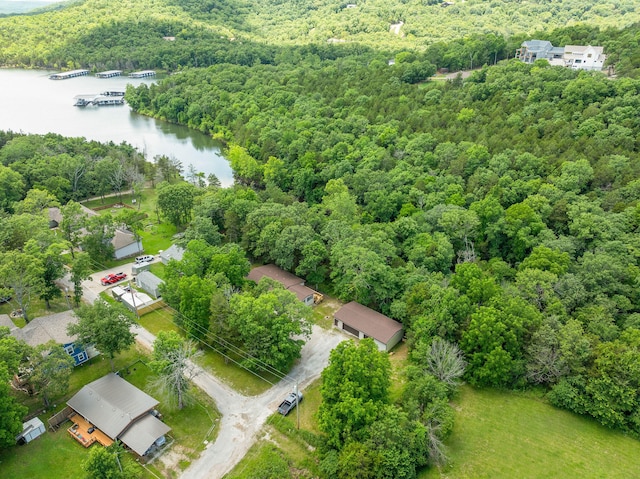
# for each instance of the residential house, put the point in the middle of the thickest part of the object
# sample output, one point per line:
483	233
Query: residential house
54	327
290	281
124	241
172	252
364	322
115	408
532	50
577	57
584	57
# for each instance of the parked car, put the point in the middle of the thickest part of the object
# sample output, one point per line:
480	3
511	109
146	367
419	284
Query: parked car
289	403
147	258
112	278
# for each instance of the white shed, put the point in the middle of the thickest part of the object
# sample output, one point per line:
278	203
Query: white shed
30	430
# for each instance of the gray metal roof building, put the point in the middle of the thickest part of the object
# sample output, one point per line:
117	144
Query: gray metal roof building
121	411
149	282
172	252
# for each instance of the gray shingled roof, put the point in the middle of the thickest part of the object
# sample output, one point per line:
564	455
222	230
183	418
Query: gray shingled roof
45	328
111	404
370	322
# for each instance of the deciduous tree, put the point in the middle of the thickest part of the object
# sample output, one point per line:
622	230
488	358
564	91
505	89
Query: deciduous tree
172	363
355	387
105	326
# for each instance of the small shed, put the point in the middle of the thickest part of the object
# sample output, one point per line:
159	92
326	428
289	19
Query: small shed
150	283
139	268
172	252
136	301
30	430
364	322
118	292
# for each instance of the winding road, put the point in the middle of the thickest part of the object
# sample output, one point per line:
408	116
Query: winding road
242	416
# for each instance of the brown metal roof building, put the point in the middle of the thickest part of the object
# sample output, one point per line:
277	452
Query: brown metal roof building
286	279
364	322
121	411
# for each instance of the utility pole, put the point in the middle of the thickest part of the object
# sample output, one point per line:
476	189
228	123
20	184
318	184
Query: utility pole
297	405
133	301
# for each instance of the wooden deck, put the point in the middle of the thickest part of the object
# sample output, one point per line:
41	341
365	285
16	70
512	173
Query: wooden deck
80	432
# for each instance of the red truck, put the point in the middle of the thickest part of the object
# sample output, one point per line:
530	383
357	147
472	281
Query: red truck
112	278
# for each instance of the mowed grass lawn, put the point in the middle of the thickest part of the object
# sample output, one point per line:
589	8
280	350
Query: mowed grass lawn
57	455
507	435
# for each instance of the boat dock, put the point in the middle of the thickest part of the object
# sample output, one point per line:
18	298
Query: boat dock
69	74
142	74
99	100
112	93
109	74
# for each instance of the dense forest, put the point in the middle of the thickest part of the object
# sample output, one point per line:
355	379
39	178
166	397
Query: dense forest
173	34
497	214
500	213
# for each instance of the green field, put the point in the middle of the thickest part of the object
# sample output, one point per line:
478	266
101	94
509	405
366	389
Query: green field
496	435
506	435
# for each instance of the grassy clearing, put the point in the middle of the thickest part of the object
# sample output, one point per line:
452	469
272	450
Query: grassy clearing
157	268
158	320
238	378
156	236
57	455
507	435
323	312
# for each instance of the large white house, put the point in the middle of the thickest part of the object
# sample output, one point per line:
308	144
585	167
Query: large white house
578	57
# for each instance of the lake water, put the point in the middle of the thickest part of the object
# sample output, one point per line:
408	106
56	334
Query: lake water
32	103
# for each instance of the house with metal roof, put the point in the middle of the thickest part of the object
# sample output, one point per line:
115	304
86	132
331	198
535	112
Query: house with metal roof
532	50
290	281
364	322
172	252
122	412
149	282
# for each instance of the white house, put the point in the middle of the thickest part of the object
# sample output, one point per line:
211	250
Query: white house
584	58
577	57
